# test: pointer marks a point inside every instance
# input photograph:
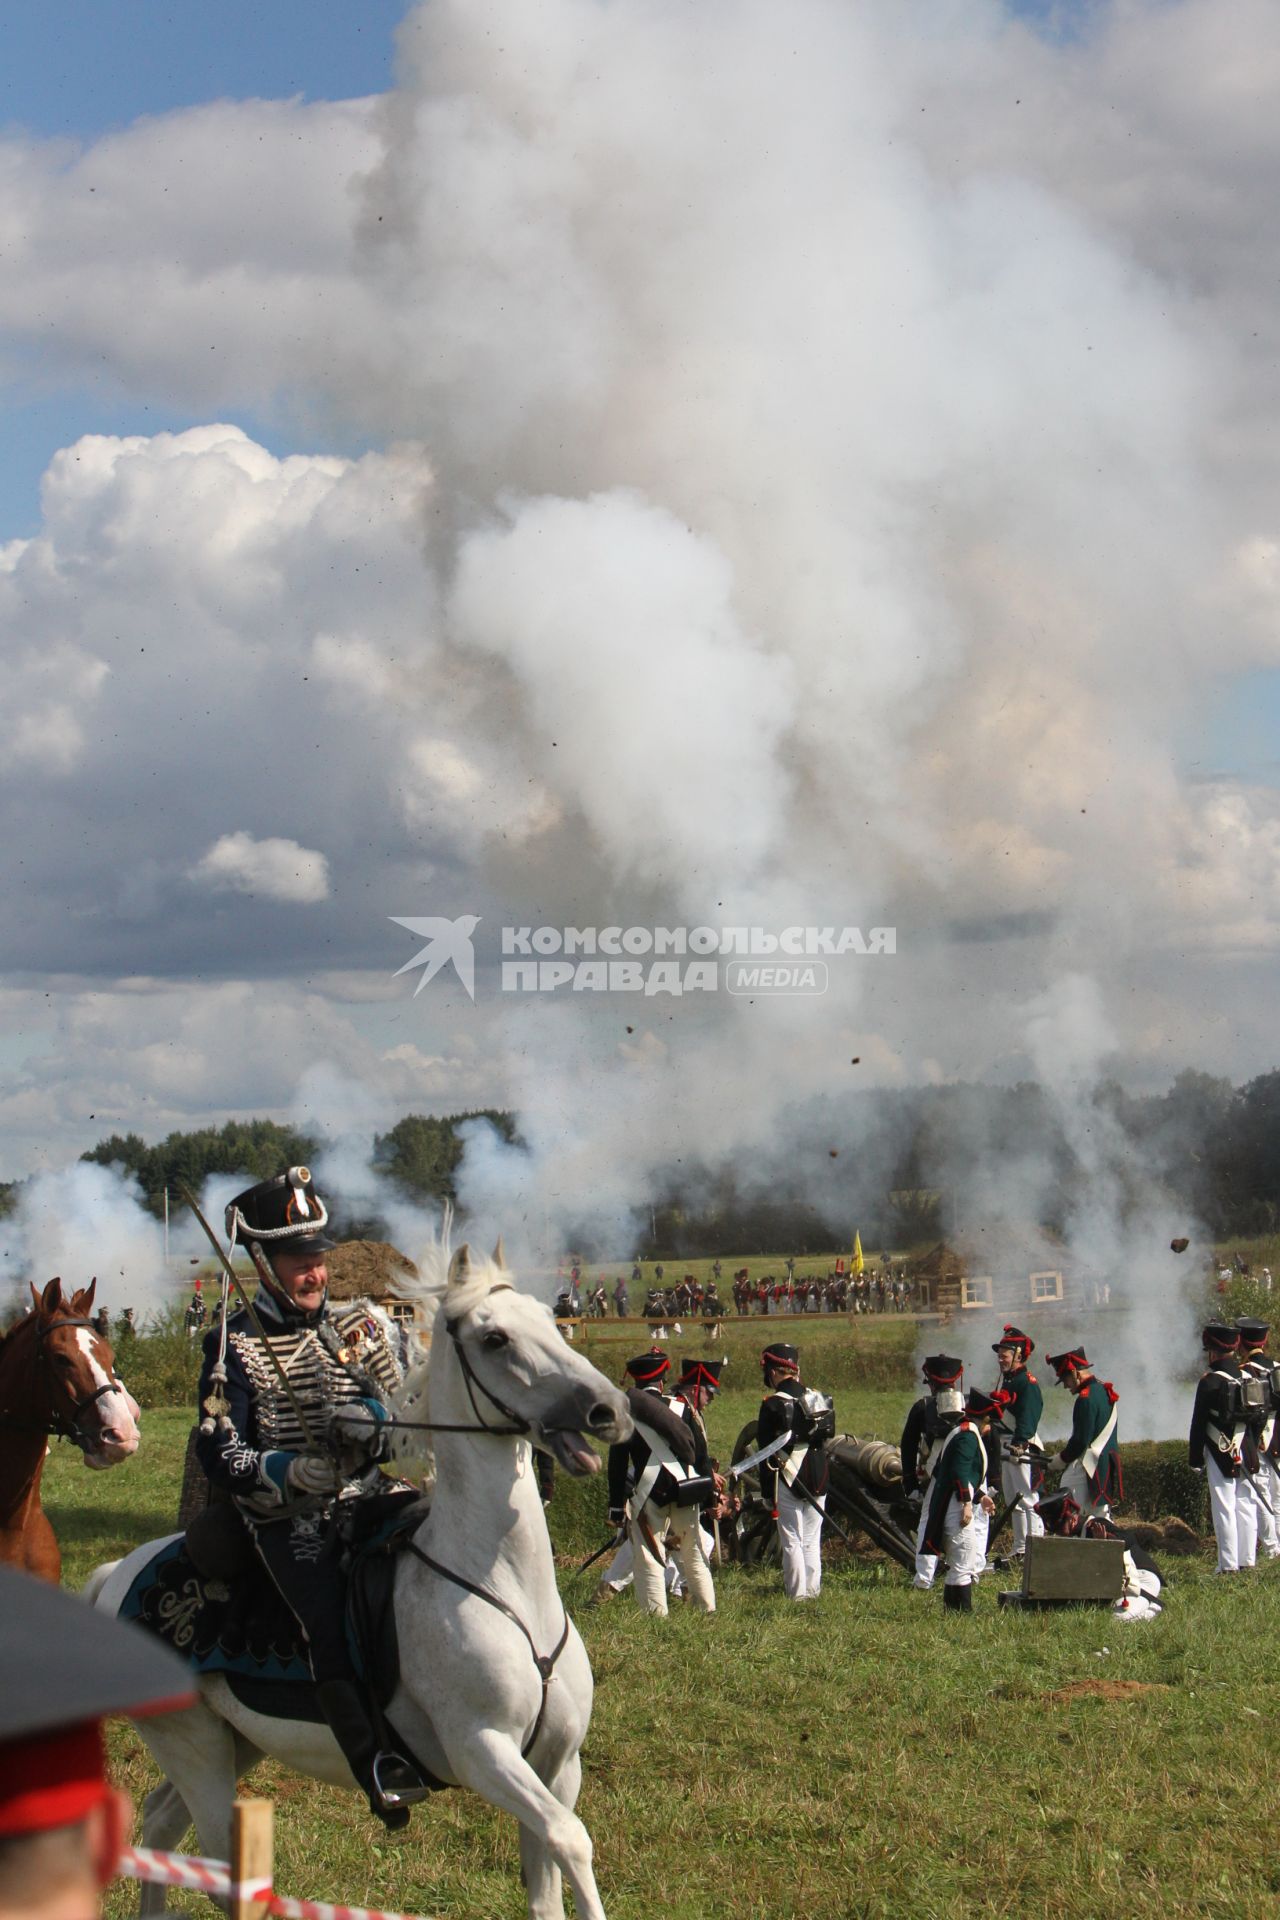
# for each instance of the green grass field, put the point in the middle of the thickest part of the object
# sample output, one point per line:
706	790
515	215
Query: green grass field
869	1755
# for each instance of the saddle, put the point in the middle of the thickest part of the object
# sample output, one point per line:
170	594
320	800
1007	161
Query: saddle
208	1596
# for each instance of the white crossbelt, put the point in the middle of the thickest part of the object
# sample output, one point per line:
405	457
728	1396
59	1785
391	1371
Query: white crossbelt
1098	1446
660	1456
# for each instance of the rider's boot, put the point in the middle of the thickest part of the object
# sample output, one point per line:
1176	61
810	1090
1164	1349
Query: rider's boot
392	1782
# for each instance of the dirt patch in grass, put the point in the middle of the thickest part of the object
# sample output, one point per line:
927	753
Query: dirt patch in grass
1104	1690
1170	1535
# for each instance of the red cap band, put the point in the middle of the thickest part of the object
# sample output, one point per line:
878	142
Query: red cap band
52	1780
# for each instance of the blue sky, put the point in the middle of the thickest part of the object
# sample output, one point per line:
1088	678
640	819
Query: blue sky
76	69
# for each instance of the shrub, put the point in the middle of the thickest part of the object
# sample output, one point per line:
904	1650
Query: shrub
1158	1483
161	1367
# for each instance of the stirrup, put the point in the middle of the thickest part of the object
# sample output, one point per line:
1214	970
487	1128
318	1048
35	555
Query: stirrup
396	1781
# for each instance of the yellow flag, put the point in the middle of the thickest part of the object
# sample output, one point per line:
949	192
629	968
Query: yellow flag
857	1253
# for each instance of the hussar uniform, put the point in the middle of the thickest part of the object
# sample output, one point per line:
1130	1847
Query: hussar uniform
931	1418
1265	1425
1222	1447
1026	1404
294	1459
658	1481
1091	1457
957	1520
794	1480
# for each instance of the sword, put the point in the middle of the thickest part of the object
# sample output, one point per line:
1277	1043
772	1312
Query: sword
765	1453
313	1444
600	1552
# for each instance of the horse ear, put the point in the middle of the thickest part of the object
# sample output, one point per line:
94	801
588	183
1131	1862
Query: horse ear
51	1299
460	1266
500	1255
83	1300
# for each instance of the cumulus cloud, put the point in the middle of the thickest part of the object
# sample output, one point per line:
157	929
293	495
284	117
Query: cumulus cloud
280	869
828	483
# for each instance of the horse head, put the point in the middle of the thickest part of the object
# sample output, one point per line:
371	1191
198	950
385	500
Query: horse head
520	1374
88	1400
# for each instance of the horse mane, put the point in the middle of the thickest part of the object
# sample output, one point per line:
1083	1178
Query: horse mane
427	1290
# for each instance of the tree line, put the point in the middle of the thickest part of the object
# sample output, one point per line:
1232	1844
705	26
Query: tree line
902	1165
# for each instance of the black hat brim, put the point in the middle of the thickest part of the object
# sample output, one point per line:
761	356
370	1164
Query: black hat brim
62	1663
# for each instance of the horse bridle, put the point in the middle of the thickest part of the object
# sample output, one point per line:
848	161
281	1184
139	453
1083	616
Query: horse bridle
64	1426
520	1426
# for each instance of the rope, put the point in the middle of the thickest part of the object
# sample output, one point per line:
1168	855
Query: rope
214	1877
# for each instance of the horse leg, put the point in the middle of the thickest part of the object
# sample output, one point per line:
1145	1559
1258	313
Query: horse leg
165	1818
493	1767
542	1877
196	1751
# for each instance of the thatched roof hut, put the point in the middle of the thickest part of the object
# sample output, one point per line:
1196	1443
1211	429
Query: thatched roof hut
370	1270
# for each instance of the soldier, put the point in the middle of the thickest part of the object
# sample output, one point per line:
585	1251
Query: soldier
126	1330
960	1503
195	1315
931	1418
1026	1403
1092	1462
1219	1442
668	1457
1255	1360
102	1323
259	1443
620	1297
794	1482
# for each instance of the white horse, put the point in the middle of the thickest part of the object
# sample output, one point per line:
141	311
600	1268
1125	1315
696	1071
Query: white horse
495	1685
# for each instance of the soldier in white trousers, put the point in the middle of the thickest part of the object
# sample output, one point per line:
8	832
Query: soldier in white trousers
960	1500
658	1481
1218	1443
794	1480
1257	1365
930	1419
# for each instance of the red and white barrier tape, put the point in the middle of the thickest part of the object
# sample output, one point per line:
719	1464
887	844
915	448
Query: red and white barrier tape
214	1877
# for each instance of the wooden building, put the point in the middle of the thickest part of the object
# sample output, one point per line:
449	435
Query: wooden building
1003	1267
370	1270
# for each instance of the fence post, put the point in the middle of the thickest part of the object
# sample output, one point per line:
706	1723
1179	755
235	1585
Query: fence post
252	1849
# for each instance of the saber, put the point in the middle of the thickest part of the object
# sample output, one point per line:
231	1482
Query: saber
600	1552
313	1444
765	1453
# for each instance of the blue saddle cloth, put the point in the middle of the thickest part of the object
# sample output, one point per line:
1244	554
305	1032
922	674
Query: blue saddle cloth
245	1630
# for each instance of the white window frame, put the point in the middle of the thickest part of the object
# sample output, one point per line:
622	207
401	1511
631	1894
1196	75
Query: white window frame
976	1290
1037	1297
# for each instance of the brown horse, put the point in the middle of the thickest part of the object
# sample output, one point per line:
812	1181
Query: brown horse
56	1376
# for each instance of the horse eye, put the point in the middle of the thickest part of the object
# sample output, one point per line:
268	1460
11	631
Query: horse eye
494	1342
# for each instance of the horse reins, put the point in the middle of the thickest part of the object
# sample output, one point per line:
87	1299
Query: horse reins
544	1662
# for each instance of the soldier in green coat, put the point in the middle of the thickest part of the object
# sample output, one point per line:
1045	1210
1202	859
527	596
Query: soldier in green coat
1013	1350
960	1498
1090	1458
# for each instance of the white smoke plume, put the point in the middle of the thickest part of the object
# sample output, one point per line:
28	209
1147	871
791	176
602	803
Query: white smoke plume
82	1222
815	525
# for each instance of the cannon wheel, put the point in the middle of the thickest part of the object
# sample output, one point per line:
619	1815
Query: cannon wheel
757	1537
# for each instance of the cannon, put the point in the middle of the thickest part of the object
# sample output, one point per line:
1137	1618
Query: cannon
865	1496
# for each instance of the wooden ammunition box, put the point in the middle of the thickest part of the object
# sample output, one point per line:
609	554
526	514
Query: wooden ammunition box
1088	1570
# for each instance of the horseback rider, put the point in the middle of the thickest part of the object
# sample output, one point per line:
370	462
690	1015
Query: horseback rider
260	1441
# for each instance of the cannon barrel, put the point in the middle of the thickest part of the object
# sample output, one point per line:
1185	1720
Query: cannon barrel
874	1461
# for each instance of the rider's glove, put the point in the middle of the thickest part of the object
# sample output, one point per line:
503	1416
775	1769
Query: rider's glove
360	1427
310	1474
